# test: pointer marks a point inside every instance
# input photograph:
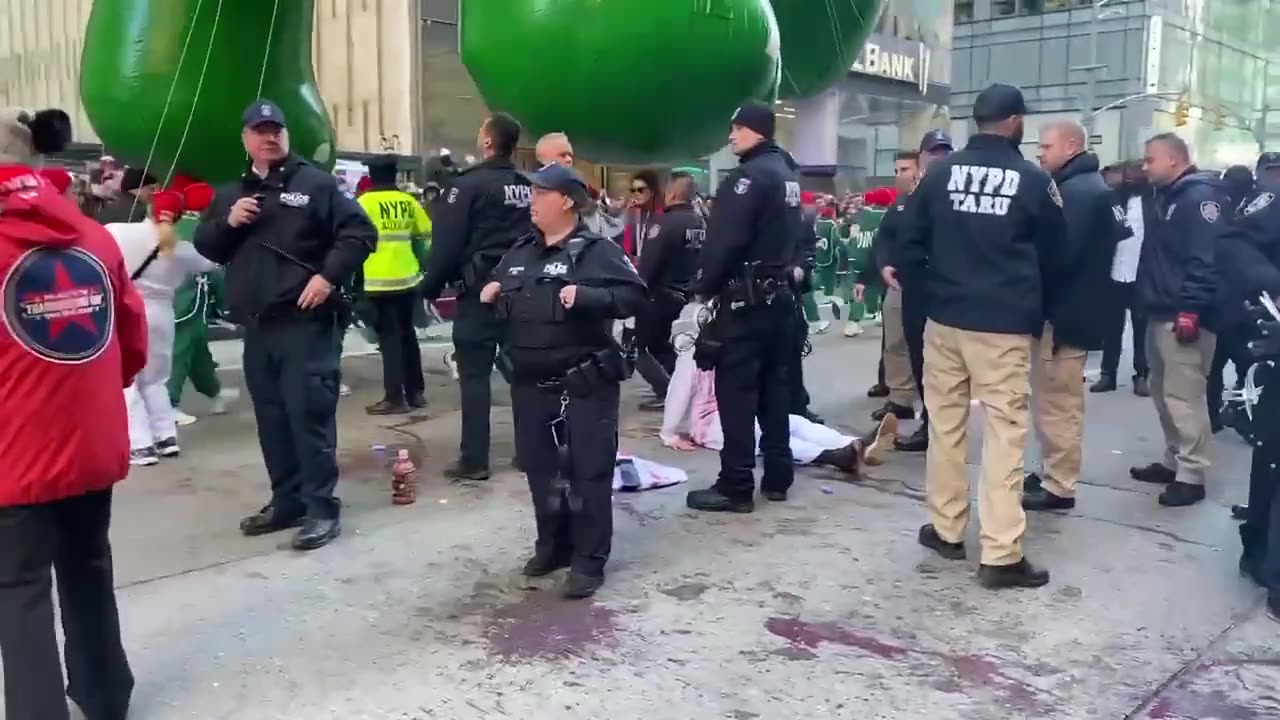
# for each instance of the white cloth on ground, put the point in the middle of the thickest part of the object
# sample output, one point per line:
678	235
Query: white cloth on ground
633	474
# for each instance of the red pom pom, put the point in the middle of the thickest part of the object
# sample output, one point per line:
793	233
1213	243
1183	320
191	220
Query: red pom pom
363	184
181	182
890	196
808	198
197	196
166	201
59	178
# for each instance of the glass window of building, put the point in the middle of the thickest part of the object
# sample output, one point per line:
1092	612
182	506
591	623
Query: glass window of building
1004	8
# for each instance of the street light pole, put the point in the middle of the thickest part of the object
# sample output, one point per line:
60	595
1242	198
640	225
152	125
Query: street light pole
1090	98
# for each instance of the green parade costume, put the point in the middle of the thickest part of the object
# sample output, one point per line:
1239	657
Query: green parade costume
859	254
192	306
827	259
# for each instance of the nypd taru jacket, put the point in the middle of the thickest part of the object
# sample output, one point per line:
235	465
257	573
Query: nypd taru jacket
303	214
669	257
756	220
1095	224
476	221
985	230
1176	273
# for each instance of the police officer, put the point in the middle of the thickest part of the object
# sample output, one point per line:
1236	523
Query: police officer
668	262
985	231
1176	289
392	275
935	145
559	290
288	238
747	266
801	273
477	220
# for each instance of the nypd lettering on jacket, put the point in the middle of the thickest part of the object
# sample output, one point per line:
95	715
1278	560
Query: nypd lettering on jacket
517	195
982	190
793	193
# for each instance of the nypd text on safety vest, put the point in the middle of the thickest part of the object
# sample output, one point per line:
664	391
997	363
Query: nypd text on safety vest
982	190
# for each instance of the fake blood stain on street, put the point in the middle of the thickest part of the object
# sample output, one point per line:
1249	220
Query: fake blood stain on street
542	625
952	672
1222	690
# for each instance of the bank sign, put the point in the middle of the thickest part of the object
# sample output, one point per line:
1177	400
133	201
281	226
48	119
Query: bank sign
896	59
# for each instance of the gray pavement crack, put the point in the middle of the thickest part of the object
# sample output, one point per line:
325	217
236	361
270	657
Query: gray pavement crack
1143	528
1181	672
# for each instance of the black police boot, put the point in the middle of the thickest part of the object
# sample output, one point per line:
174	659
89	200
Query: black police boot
1180	494
774	495
1250	555
1041	499
1021	574
1273	605
712	500
417	401
878	390
1141	387
812	417
1239	512
929	538
902	412
460	473
1155	473
917	441
1106	383
845	458
579	587
1031	483
316	533
541	565
269	520
388	407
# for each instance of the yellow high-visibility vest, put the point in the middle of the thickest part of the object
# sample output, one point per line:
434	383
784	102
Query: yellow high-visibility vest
392	266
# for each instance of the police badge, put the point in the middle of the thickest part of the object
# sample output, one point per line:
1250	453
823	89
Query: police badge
653	231
1210	211
1054	195
742	186
1258	203
453	195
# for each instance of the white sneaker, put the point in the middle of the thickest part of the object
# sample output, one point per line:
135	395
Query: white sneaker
183	419
223	399
852	329
343	390
452	364
143	457
819	327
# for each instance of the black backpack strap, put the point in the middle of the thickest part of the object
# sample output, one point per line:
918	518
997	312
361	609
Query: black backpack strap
155	253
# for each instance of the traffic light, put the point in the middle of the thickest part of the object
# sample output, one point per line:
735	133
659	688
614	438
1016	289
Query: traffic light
1182	112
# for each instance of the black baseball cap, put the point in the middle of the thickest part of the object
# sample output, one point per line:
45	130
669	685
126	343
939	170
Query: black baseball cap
935	139
262	111
998	102
758	117
1268	160
561	179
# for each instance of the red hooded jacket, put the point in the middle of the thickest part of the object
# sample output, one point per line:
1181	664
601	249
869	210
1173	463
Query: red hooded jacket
74	334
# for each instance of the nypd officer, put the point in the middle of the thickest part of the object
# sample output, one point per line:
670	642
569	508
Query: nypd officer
391	278
984	229
667	266
476	221
559	291
747	266
288	238
1176	290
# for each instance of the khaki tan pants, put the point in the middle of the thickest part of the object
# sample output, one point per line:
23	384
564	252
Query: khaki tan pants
1057	408
995	370
1179	375
897	363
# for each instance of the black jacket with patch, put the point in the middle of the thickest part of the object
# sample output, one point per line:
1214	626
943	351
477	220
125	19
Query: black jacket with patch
669	254
1095	224
475	222
1176	272
756	219
1248	257
305	226
985	231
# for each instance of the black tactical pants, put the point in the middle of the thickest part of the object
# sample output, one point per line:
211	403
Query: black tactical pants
915	313
653	329
475	342
401	358
1260	532
1233	348
574	514
752	382
799	395
292	370
69	537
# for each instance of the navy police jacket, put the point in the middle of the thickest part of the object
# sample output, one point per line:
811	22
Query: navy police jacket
1176	271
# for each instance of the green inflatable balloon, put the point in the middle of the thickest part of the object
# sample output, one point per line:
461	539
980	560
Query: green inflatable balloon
821	40
628	80
168	80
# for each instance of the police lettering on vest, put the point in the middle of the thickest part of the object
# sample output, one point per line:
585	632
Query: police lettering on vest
982	190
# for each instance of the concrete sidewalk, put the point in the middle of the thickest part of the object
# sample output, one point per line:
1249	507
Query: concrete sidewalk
821	607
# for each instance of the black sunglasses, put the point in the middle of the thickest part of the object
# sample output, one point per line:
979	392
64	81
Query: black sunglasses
639	189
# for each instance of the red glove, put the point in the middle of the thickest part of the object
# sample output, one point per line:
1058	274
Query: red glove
1187	328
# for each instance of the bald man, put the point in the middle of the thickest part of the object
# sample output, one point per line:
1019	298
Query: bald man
1095	223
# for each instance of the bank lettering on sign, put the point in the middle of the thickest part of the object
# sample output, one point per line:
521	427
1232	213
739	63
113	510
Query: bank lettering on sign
907	63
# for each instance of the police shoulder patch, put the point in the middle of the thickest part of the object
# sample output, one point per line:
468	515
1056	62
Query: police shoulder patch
1210	211
742	186
1259	202
1054	194
453	196
654	230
